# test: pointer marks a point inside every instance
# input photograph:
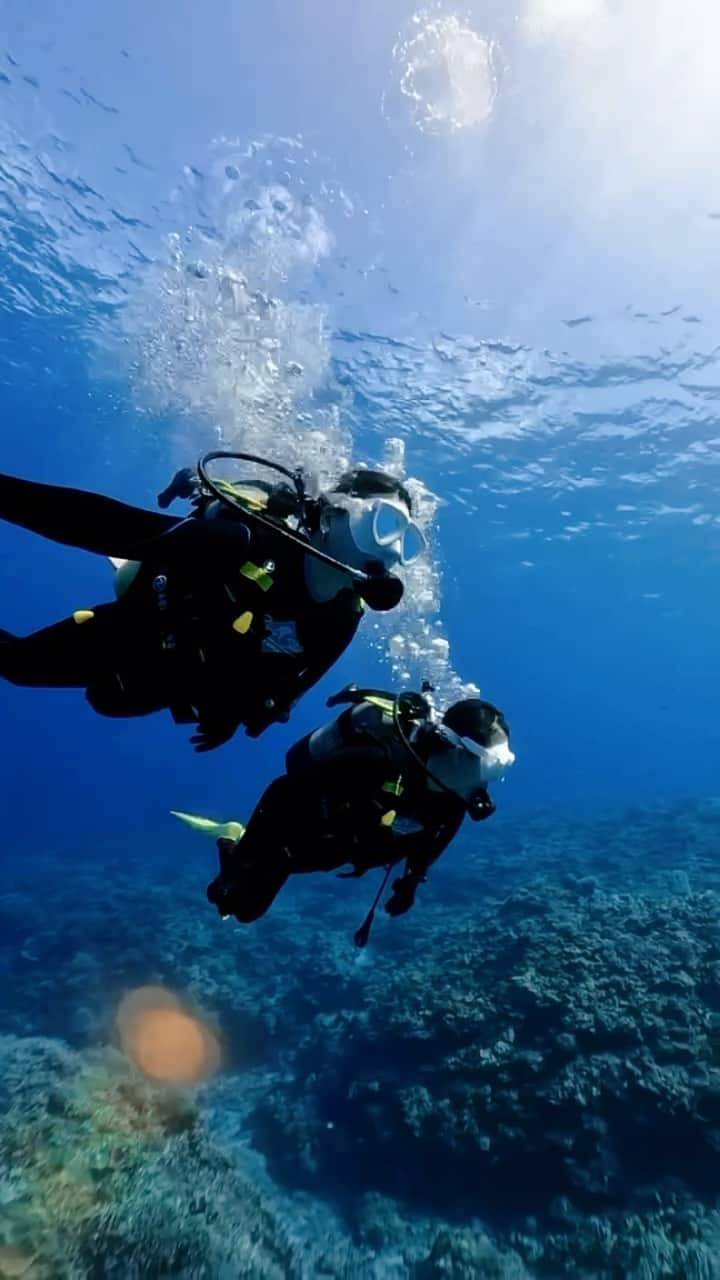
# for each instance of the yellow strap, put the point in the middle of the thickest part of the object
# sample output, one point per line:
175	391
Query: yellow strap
385	704
83	615
243	624
252	497
388	818
256	574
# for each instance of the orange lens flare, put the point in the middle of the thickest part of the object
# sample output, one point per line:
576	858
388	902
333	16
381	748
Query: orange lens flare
165	1040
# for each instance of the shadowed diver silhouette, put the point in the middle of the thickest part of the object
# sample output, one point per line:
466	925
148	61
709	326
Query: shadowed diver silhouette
387	781
225	617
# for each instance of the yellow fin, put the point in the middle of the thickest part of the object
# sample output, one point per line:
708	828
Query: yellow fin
228	830
388	818
83	615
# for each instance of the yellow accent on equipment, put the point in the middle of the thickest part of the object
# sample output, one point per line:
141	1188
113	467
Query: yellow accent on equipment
83	615
256	574
253	497
243	624
393	788
384	704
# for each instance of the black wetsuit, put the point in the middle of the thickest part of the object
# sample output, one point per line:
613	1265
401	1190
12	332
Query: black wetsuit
218	625
366	804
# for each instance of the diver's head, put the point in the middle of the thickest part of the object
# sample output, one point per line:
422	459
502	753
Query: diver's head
367	522
472	748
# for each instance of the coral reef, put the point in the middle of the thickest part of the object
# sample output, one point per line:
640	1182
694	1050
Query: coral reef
559	1045
522	1077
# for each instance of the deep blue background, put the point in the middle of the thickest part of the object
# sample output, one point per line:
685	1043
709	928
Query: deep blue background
601	644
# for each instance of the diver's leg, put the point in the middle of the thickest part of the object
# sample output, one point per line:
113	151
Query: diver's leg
246	887
252	893
254	869
65	655
119	676
78	518
274	818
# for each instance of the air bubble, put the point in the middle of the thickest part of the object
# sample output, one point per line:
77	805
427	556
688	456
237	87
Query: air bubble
446	75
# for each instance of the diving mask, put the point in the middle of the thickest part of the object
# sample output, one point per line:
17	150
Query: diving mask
489	764
382	529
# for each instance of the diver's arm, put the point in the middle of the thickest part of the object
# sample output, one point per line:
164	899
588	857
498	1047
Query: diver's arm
321	652
325	649
218	719
78	518
426	846
308	676
421	851
192	538
96	523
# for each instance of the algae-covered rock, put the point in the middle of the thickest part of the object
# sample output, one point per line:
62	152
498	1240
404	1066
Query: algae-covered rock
467	1254
105	1174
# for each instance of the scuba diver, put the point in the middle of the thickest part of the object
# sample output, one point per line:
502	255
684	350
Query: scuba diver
224	617
388	781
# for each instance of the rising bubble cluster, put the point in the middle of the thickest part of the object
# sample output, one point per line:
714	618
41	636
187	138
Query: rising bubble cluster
445	73
225	337
222	334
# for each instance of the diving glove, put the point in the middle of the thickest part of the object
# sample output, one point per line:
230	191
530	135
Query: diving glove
210	734
184	484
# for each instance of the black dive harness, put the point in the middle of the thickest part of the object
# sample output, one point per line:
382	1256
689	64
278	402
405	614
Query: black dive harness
411	707
381	590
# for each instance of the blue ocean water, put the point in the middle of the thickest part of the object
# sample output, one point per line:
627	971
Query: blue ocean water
481	245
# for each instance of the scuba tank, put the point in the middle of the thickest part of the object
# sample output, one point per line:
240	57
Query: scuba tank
125	574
